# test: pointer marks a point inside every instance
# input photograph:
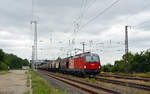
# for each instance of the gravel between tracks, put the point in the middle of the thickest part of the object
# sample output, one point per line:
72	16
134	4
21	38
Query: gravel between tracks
99	91
62	86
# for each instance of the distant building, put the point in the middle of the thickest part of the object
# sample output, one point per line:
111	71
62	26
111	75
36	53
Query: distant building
40	62
25	67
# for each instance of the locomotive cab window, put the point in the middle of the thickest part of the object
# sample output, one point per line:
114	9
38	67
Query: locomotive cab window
92	59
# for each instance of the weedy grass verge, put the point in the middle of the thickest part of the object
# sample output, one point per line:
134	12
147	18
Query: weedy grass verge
41	86
28	92
4	72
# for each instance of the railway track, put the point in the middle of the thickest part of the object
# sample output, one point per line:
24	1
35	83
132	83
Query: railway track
129	75
82	85
126	77
122	83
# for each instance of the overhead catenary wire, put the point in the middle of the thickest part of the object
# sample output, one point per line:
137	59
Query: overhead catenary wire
78	21
85	5
92	3
84	13
129	16
141	24
141	10
101	13
77	24
84	10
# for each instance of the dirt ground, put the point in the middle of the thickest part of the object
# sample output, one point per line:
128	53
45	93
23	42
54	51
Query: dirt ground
13	82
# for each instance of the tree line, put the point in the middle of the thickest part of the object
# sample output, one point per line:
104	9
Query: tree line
137	63
11	61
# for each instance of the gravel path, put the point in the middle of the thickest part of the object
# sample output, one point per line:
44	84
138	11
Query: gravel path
13	82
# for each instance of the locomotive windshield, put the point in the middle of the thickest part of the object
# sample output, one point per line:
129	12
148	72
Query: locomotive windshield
92	59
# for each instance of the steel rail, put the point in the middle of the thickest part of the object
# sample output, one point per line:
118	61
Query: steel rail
129	84
125	77
58	77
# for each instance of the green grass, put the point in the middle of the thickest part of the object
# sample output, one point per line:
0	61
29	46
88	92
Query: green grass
87	79
148	74
28	79
4	72
28	82
27	92
41	86
93	80
142	74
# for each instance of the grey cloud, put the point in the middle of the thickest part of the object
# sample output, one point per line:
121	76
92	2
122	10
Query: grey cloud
55	21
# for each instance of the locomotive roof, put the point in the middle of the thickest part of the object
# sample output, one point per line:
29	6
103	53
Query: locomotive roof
81	55
86	53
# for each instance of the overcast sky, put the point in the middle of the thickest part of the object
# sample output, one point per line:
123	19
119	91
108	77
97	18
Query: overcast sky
58	21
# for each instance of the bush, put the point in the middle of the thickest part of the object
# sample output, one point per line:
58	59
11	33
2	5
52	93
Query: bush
3	66
138	63
107	68
1	55
11	60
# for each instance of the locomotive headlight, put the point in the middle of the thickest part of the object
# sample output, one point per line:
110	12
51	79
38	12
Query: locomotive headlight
99	67
84	66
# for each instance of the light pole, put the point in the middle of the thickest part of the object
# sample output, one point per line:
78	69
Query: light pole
35	41
126	48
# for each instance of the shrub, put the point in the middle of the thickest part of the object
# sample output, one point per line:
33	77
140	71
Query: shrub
3	66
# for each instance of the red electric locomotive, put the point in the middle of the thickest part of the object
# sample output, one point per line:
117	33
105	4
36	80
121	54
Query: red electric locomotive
85	64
